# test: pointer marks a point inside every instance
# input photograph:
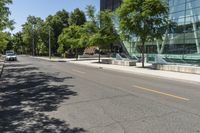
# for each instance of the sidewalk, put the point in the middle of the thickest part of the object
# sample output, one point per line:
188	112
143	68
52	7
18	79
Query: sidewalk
132	69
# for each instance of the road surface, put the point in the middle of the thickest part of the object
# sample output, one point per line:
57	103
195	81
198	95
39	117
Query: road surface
41	96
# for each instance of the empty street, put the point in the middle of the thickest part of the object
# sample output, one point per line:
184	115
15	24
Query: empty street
42	96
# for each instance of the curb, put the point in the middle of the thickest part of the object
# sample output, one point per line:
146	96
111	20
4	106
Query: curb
2	70
129	72
138	73
47	59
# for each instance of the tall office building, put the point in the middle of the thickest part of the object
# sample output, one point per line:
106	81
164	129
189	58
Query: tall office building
110	4
181	42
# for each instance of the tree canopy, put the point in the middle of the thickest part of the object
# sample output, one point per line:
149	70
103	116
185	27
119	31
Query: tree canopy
31	33
70	37
77	17
103	33
56	24
146	19
4	39
35	32
66	31
5	22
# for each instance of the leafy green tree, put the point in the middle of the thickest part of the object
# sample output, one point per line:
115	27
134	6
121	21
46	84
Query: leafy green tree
42	48
35	32
63	17
101	31
77	17
55	24
4	15
70	37
92	25
49	25
90	12
5	22
18	43
4	40
147	19
27	36
31	33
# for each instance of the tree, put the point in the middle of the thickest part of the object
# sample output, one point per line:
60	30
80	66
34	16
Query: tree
18	44
4	15
70	37
35	32
4	40
101	31
147	19
77	17
31	33
56	24
90	12
92	25
5	22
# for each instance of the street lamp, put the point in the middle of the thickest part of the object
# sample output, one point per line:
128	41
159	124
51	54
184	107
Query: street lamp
33	41
49	43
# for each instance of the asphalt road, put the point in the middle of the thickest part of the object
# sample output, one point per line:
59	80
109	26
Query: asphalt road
41	96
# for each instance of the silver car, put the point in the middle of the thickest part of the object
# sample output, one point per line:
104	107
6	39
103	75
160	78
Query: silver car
11	57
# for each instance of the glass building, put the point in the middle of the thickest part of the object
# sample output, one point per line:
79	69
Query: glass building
110	4
181	44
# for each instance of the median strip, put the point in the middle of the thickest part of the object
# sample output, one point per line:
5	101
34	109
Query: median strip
161	93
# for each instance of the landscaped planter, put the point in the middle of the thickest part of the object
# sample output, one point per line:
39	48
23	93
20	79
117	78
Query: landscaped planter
177	68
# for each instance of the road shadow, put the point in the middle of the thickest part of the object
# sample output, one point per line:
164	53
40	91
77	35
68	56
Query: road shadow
26	95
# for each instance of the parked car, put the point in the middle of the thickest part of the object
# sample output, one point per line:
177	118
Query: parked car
11	57
10	52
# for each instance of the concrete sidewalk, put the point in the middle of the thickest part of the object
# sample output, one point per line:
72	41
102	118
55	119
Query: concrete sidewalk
194	78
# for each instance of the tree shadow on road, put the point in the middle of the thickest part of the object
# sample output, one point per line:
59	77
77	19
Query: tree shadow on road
26	95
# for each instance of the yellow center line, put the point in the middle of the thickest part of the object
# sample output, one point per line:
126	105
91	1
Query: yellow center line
162	93
78	71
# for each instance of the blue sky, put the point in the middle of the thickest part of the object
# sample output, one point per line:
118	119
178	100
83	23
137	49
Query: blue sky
21	9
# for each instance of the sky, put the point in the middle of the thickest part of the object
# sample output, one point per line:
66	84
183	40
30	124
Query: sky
21	9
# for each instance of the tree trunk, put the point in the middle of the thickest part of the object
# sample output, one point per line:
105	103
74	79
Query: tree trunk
99	56
142	54
76	54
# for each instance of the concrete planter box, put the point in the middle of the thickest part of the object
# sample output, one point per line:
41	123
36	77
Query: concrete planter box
177	68
107	61
119	62
129	63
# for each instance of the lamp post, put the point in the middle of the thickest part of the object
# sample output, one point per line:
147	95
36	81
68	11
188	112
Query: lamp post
49	43
33	41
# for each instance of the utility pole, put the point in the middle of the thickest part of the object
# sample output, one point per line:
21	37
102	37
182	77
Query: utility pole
33	45
33	41
49	43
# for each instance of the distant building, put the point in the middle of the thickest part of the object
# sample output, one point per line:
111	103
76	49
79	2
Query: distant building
110	4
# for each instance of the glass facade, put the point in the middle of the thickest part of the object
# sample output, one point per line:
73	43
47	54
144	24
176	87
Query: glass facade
110	4
181	44
186	36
